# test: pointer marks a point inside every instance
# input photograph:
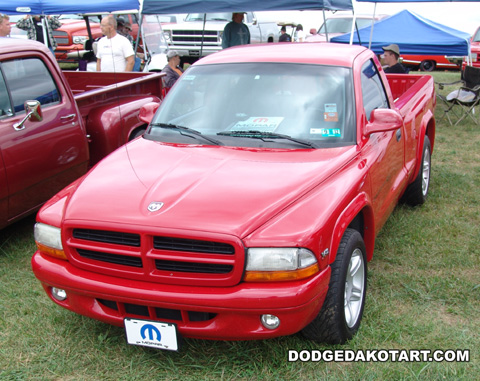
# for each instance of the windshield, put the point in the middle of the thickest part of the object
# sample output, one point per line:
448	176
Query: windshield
476	38
226	16
342	26
252	104
153	36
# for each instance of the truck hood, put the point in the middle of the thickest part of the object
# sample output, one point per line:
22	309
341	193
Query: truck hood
204	188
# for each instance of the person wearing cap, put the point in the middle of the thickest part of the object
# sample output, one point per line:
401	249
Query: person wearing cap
391	56
5	26
172	69
284	37
114	52
124	28
235	32
33	25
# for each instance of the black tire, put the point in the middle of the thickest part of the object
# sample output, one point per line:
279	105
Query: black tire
427	65
342	311
416	193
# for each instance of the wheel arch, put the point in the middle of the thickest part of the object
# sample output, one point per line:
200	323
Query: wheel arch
359	216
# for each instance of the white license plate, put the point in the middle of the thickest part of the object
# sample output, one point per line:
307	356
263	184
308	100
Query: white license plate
151	334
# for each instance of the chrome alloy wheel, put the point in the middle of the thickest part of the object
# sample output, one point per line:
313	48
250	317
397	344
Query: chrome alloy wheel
354	288
426	172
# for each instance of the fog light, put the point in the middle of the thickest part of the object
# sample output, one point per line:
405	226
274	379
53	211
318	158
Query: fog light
270	321
59	294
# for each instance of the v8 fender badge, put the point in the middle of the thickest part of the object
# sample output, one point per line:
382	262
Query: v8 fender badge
155	206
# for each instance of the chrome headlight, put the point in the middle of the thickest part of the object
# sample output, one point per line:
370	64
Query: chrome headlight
79	39
49	240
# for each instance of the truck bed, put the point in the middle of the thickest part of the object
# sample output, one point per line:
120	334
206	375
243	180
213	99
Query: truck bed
90	88
406	87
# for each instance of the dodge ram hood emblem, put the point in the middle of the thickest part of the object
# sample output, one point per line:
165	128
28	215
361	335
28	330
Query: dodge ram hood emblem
155	206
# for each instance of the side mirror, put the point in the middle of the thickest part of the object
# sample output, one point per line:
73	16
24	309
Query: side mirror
34	114
382	120
147	111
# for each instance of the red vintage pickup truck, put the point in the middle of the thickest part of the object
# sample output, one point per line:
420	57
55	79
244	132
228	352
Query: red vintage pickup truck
250	207
75	119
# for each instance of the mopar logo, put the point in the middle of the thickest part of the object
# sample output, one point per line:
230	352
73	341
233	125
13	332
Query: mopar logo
154	206
150	332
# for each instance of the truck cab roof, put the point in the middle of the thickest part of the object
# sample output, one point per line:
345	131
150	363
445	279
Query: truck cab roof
311	53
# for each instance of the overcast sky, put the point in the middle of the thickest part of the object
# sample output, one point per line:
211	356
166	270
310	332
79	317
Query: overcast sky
458	15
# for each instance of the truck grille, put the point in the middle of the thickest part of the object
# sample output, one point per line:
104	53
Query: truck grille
194	36
158	258
61	37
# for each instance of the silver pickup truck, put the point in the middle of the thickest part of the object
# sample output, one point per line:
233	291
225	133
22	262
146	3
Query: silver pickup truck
201	33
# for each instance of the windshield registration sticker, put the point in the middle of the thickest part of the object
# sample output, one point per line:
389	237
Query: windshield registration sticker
330	114
327	132
262	124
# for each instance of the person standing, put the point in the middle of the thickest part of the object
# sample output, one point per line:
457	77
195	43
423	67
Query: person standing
391	56
172	69
114	52
33	25
284	36
235	32
5	26
300	33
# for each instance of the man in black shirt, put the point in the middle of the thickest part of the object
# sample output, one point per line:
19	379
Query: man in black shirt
391	56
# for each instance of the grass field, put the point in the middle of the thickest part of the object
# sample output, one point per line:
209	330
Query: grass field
423	293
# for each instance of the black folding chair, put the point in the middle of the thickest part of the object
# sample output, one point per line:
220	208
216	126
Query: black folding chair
460	103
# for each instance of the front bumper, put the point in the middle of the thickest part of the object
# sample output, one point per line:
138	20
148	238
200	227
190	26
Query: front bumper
227	313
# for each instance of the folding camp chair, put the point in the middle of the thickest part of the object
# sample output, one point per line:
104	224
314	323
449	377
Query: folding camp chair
460	103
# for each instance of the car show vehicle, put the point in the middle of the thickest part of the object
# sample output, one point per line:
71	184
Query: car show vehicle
249	208
200	34
474	58
55	124
428	62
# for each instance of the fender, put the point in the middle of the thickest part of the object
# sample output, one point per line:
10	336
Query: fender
426	128
360	204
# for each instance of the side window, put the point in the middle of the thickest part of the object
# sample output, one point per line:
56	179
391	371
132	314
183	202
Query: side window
5	105
30	79
373	93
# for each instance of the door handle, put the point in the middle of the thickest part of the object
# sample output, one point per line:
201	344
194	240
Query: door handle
68	117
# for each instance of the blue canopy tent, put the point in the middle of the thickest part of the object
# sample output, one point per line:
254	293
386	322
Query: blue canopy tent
209	6
57	7
414	34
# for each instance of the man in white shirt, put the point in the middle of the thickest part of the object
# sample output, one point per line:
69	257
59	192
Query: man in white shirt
114	52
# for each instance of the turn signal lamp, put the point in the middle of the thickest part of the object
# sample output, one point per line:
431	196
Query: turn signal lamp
49	240
279	264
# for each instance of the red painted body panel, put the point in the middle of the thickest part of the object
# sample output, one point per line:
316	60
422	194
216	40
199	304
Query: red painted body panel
241	197
47	155
429	62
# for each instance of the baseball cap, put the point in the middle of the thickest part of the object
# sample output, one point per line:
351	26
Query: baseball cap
393	48
172	53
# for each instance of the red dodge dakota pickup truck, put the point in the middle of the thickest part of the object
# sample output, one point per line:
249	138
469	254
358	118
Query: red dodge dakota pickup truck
73	120
250	207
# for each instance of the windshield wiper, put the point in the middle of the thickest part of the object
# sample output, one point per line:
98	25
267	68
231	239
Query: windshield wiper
266	135
183	129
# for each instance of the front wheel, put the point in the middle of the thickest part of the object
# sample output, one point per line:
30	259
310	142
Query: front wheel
342	310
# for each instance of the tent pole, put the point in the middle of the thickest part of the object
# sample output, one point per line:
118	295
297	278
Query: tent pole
354	24
373	22
203	34
324	23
